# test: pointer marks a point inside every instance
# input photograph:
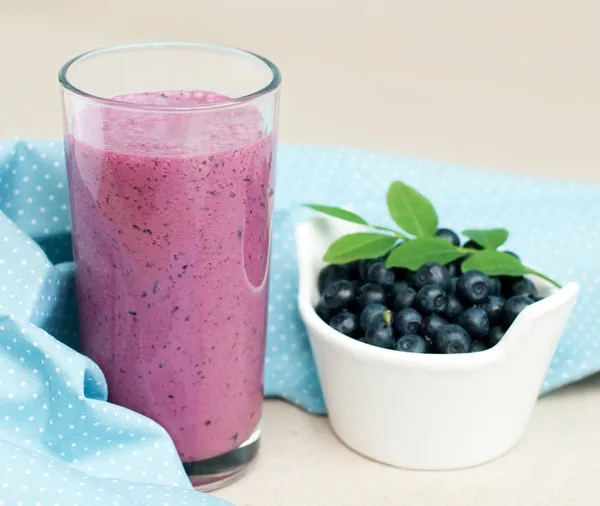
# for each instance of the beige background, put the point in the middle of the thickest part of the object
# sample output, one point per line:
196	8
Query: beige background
512	85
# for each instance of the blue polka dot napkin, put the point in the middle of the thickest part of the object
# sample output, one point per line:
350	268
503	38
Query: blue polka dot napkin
62	444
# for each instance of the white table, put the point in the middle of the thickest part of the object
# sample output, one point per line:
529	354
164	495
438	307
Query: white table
504	85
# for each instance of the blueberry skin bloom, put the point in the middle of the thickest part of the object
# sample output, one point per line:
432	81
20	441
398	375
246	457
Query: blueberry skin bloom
370	313
330	273
407	321
371	293
473	287
380	332
432	273
431	298
452	339
380	274
401	296
514	306
339	295
475	321
412	343
345	322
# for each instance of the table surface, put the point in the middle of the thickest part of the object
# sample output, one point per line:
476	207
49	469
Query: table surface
512	86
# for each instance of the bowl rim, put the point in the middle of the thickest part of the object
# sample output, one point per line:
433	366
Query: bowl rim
318	329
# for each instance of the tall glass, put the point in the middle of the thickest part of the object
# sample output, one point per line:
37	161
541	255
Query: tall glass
170	151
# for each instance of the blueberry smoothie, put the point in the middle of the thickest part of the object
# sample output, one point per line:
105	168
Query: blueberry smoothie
171	235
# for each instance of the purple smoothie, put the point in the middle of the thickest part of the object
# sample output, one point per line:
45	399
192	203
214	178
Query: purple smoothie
171	231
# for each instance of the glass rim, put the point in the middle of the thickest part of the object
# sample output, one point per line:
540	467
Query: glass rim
232	102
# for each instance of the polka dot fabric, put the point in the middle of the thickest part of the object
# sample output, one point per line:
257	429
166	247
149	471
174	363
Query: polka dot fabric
61	443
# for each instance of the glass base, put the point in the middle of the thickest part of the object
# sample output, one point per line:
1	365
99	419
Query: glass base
217	472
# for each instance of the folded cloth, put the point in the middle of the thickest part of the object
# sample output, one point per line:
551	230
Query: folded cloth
62	443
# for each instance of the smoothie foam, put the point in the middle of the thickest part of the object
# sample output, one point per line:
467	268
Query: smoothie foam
171	230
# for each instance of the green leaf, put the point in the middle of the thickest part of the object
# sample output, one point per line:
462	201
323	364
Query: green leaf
494	263
497	263
359	246
337	212
413	254
411	211
490	238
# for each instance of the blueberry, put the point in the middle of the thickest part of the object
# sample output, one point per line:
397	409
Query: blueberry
514	306
473	287
512	253
380	274
380	332
475	321
431	298
454	307
450	235
495	286
494	337
412	343
369	313
339	295
401	296
431	324
323	312
453	270
453	284
407	321
332	273
345	322
432	273
477	346
452	339
524	286
370	293
471	244
363	267
494	307
399	286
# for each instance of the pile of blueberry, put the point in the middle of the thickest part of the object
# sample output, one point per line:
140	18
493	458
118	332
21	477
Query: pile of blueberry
437	309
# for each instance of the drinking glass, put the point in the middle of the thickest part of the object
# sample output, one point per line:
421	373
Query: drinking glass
170	151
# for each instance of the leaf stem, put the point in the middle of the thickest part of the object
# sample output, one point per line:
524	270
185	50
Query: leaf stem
399	235
543	276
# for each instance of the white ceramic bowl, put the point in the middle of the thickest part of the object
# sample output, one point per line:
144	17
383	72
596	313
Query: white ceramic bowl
428	411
